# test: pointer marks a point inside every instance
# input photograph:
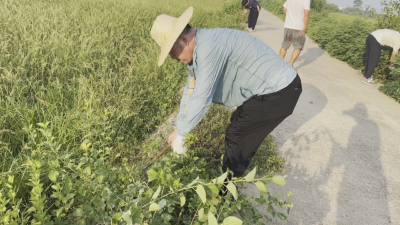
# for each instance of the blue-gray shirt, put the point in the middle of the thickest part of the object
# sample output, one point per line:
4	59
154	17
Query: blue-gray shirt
230	67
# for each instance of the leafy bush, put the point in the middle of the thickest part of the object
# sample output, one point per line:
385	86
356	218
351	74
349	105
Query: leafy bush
274	6
332	7
318	5
86	186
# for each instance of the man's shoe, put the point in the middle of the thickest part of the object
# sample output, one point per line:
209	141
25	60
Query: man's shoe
368	81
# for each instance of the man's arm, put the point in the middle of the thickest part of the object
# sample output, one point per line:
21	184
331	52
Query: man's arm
394	53
306	19
285	7
244	13
211	60
258	8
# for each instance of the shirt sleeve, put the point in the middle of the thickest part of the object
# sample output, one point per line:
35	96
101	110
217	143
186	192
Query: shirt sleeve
285	4
307	5
211	60
184	95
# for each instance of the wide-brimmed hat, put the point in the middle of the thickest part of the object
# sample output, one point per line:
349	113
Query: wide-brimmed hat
166	29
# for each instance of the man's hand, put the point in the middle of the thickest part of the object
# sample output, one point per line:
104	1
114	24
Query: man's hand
177	143
303	32
172	137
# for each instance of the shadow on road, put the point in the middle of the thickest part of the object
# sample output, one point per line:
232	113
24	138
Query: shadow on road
309	56
362	197
348	183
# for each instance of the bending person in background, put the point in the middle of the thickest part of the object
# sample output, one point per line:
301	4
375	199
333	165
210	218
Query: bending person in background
255	9
374	43
296	22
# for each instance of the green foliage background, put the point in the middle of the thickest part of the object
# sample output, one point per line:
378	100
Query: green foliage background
80	96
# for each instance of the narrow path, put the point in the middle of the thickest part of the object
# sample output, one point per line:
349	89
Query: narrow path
342	143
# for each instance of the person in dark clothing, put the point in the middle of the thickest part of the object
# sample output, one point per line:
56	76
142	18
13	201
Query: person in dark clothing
255	9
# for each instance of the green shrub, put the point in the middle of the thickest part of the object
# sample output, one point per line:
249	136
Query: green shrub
318	5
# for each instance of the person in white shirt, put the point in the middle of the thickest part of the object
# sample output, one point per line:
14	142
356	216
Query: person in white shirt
374	43
296	22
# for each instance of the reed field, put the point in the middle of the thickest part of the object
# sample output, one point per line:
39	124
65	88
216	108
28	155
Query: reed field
80	96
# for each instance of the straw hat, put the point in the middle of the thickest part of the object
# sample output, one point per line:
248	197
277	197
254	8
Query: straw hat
166	29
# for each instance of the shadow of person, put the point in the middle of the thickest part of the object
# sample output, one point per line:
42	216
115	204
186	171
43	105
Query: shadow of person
309	56
347	185
362	196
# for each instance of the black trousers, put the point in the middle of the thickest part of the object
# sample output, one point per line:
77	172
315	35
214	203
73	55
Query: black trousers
253	17
372	55
253	121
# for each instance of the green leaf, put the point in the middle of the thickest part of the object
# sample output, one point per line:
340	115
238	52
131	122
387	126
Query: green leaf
183	199
221	179
40	125
212	190
232	188
59	211
201	214
155	195
166	216
201	192
99	179
282	216
87	171
10	179
279	180
127	218
193	182
116	217
267	180
211	219
251	175
78	212
213	201
261	186
154	207
231	220
53	175
162	203
152	175
85	145
136	213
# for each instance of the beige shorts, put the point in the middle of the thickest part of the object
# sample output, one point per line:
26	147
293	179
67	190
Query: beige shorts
292	36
